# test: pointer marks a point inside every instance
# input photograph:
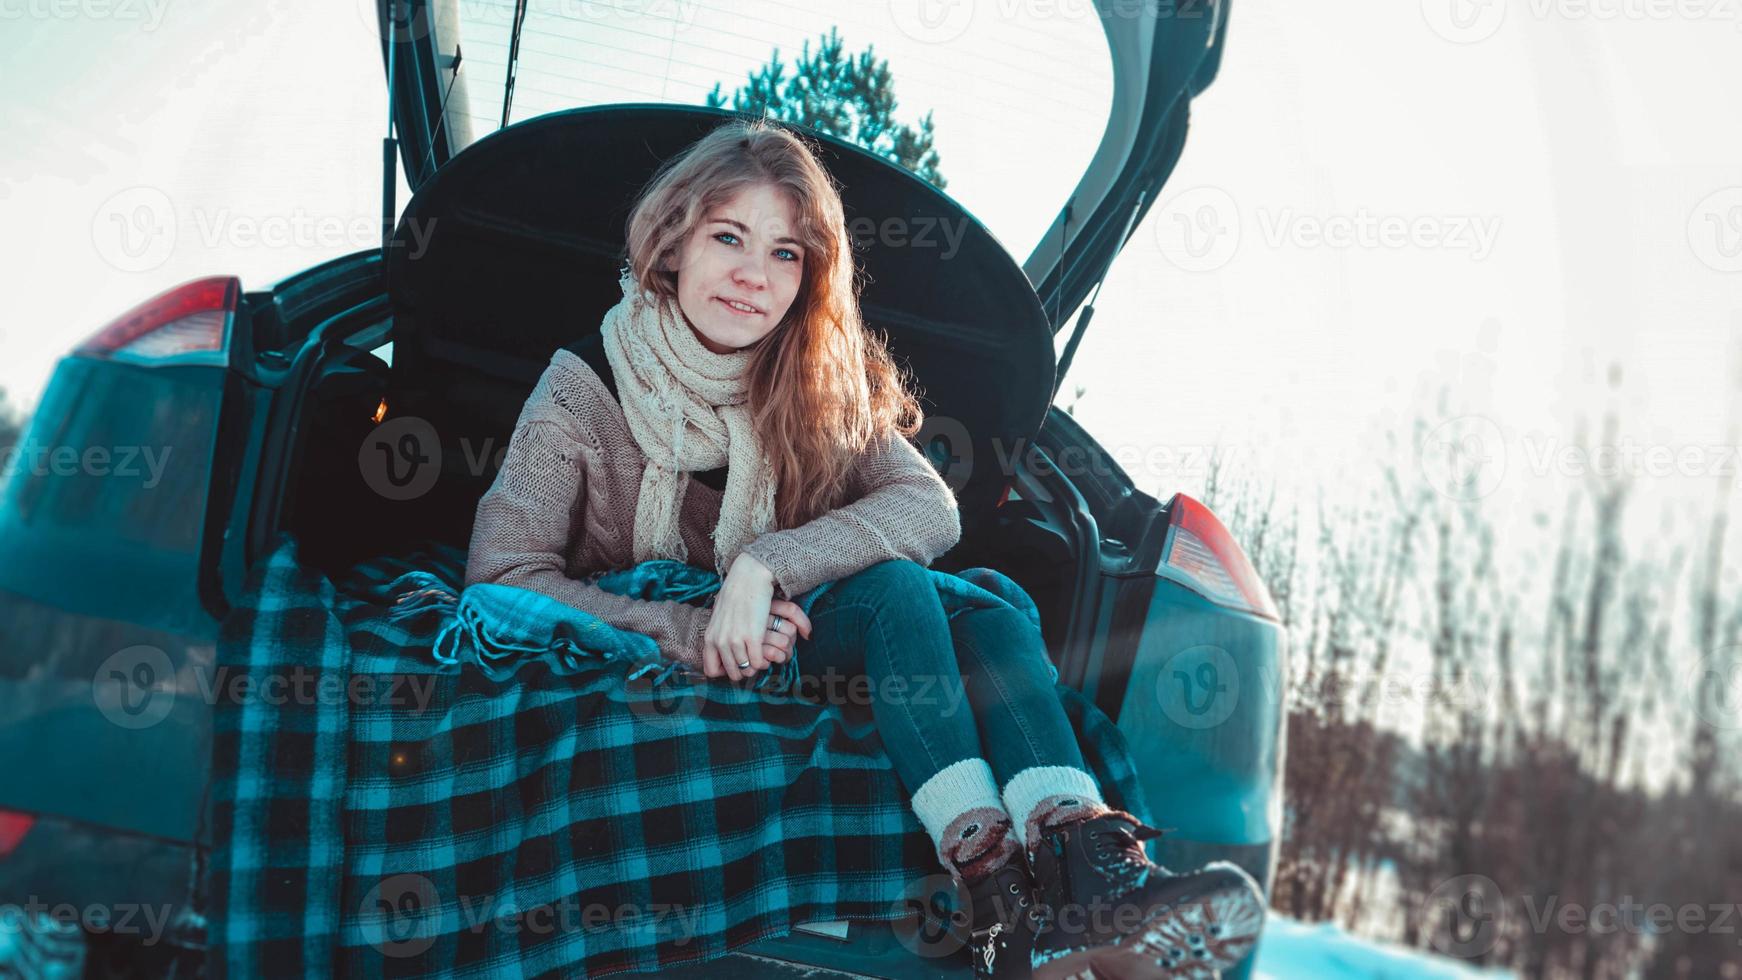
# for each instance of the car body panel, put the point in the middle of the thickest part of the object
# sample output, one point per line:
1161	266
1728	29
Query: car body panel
103	712
1201	709
112	591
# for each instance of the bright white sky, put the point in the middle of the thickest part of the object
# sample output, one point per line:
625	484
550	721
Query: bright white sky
1571	181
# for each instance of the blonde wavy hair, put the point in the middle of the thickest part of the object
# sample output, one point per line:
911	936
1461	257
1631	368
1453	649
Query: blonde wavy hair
822	385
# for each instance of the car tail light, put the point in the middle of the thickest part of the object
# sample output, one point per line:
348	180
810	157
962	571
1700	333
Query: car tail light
192	318
13	827
1200	548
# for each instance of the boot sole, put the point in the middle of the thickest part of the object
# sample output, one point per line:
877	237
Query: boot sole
1146	953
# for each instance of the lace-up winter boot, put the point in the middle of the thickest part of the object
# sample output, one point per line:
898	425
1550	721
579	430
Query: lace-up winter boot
1003	918
1113	913
995	909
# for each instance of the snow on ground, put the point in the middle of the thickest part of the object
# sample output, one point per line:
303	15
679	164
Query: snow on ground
1291	950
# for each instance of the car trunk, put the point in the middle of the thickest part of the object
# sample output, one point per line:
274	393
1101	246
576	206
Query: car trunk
513	251
341	518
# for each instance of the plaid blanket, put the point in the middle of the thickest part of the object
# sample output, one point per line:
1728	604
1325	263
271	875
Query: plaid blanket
466	783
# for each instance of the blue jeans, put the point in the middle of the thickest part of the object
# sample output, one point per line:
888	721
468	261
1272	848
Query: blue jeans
940	690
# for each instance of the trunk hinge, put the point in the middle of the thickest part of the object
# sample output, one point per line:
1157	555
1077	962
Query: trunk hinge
513	58
1064	246
1088	310
390	145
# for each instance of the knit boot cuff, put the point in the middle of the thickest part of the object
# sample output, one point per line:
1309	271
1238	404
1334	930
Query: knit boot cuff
1040	796
951	792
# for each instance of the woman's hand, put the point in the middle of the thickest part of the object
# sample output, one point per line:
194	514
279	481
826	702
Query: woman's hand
738	632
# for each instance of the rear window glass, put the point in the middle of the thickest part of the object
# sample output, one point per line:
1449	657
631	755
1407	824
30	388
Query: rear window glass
125	454
1018	93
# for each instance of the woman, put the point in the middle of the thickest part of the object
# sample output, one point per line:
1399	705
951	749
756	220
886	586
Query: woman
752	424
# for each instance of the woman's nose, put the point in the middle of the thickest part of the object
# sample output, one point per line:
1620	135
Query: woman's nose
751	274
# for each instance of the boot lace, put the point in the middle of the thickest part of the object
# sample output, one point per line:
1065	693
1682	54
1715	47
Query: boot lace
1118	849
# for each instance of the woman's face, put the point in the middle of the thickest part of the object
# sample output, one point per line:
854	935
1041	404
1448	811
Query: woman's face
744	253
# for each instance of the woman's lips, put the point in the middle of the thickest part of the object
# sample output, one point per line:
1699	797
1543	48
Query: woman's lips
736	310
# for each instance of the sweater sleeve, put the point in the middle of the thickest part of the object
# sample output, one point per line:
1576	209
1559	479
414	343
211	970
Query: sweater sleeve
526	519
906	511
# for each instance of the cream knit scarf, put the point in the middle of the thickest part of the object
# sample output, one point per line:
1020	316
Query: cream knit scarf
688	408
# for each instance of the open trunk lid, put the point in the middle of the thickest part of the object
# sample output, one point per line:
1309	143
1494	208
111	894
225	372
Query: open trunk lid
1162	54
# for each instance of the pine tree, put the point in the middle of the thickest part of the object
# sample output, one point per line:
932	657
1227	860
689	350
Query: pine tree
850	96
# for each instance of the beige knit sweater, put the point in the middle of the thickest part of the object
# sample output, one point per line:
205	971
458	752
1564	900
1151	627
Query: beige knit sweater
562	511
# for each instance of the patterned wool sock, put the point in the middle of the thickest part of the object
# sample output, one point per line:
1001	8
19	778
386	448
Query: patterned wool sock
960	809
1046	796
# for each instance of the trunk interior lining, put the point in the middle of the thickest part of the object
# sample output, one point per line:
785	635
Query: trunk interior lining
512	251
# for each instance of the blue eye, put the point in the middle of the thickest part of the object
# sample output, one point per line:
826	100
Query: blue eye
788	255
